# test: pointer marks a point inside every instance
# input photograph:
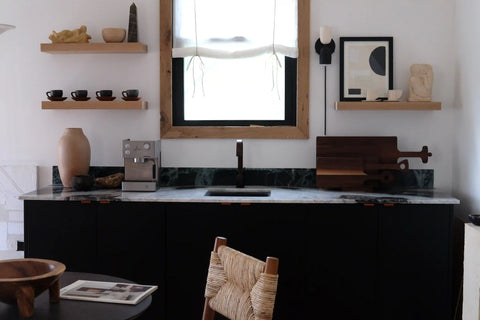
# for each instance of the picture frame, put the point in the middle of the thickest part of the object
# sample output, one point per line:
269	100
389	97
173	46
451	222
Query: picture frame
366	64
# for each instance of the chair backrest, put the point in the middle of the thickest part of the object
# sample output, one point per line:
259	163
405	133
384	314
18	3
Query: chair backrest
239	287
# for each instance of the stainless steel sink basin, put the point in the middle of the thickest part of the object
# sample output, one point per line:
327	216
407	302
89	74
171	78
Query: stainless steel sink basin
237	192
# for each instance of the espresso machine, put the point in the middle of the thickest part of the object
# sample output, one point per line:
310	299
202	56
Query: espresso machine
142	165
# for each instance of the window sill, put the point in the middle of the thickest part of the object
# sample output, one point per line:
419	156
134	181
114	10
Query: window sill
254	132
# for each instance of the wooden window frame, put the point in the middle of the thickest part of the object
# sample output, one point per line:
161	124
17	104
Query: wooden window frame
299	131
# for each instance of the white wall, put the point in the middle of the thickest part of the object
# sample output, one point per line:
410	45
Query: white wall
466	147
422	31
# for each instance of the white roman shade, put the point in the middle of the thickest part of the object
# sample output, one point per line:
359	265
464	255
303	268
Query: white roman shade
234	28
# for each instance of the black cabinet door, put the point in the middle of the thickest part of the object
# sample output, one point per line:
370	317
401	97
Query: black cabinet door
64	231
258	230
131	245
341	267
415	249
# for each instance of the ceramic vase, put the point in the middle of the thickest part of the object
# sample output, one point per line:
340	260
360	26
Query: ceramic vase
73	155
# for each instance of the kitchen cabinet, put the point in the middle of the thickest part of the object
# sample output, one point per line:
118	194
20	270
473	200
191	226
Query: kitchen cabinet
337	261
62	231
341	274
415	251
120	239
259	230
131	245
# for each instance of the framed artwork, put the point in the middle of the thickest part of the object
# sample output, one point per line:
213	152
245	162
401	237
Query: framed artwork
366	64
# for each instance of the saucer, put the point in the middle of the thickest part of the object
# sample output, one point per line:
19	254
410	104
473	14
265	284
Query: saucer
131	98
56	98
106	98
81	98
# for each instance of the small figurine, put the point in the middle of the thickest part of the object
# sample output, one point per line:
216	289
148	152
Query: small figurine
421	82
132	24
71	36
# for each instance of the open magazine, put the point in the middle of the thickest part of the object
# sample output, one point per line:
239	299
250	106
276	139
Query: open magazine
112	292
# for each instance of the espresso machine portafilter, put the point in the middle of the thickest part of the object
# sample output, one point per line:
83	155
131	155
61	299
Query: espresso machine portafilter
142	165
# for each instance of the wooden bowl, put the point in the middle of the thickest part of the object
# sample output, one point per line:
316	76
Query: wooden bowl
21	280
113	34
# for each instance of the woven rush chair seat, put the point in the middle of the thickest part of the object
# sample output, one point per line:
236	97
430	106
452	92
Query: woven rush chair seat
239	287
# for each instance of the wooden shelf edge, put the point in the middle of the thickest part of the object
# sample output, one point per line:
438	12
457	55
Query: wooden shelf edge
96	105
377	105
94	47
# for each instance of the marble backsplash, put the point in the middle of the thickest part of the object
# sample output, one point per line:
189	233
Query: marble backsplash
301	178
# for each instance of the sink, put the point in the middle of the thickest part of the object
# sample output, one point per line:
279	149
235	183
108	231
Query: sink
237	192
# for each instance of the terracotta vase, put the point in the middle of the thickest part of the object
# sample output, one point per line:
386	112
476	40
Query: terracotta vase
73	155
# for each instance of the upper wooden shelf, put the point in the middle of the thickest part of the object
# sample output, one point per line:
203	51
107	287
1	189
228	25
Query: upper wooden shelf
96	47
119	105
387	105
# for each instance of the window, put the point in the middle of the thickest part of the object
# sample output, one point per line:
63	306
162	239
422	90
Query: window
202	108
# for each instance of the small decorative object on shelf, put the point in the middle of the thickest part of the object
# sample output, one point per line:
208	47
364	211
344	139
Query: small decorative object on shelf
395	95
113	34
421	82
132	24
73	155
71	36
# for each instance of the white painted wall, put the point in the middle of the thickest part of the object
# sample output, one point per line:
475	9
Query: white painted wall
422	33
466	147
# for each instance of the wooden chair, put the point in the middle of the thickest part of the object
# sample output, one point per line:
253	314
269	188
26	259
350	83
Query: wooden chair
239	287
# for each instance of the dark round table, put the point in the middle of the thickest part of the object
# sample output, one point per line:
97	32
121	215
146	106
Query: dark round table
78	310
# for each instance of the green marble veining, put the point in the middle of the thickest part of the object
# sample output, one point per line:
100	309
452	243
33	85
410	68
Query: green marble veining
292	177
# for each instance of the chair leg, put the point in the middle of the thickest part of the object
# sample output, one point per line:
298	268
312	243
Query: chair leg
208	313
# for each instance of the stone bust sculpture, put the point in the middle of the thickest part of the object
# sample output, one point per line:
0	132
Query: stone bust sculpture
421	82
71	36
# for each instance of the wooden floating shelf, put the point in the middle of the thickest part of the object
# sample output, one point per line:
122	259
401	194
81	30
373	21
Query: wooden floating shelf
386	105
96	47
98	105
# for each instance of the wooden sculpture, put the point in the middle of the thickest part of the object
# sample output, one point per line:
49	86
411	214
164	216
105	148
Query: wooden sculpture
421	82
71	36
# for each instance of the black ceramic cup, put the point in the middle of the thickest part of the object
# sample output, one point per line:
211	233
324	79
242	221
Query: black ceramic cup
55	93
130	93
79	93
104	93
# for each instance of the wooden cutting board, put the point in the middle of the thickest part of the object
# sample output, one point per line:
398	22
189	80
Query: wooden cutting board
383	149
357	165
356	182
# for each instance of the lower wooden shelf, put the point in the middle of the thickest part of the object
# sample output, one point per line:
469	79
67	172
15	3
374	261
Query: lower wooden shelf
119	105
387	105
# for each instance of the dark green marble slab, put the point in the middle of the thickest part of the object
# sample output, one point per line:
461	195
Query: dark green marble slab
298	178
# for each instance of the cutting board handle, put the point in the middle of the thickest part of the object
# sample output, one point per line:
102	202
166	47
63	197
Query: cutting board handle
424	154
